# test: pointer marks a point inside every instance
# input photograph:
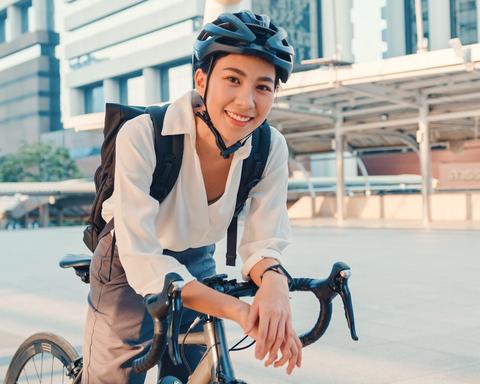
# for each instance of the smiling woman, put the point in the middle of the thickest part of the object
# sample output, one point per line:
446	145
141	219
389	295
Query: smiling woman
238	61
241	95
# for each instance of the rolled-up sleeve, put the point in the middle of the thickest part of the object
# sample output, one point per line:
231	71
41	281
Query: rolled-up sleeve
267	229
135	211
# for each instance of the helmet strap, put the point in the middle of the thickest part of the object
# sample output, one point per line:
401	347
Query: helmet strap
225	151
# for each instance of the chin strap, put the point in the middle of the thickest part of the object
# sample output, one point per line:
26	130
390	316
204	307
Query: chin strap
225	151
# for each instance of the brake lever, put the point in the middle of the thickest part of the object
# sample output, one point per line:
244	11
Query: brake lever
340	274
175	320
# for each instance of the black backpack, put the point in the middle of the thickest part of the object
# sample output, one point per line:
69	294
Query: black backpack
169	152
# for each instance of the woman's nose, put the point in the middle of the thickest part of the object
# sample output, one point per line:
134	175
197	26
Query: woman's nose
245	99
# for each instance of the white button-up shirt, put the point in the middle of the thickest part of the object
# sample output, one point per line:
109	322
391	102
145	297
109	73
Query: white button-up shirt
144	228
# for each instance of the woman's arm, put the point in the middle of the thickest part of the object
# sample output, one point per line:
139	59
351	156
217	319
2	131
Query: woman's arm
200	298
266	234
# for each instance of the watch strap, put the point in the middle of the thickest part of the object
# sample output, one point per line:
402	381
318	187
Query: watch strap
278	268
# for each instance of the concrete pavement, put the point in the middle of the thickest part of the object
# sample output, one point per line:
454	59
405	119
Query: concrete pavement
415	293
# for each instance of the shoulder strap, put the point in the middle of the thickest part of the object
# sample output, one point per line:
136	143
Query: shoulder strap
252	171
169	153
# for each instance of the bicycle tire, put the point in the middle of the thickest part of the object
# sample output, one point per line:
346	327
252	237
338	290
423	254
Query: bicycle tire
41	344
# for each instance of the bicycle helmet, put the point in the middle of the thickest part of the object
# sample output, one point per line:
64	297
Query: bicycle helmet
240	33
245	33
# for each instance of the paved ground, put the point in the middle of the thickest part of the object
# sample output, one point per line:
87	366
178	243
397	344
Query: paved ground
416	295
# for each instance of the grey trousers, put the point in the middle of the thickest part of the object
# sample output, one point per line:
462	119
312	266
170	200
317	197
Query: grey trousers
118	327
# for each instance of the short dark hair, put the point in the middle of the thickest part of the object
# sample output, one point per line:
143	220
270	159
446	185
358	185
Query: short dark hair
204	66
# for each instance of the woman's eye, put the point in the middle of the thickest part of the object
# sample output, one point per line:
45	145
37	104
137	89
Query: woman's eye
233	80
264	88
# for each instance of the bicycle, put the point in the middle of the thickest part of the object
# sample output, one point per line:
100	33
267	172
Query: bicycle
166	308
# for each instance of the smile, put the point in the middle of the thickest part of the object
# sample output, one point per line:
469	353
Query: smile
237	117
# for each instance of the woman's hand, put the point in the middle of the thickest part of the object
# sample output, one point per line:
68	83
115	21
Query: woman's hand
269	322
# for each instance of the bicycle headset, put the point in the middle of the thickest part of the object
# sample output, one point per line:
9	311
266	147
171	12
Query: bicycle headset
240	33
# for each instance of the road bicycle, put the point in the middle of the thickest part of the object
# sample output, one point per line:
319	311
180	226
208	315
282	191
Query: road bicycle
49	358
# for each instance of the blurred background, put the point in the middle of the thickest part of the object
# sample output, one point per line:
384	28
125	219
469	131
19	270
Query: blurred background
381	115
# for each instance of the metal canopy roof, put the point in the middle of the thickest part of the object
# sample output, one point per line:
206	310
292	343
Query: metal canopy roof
378	103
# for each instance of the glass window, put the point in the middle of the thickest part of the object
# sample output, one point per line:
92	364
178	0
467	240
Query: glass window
26	12
94	99
180	80
132	91
411	26
464	20
3	18
301	20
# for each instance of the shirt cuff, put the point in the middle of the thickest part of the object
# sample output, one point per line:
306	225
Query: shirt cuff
156	285
257	257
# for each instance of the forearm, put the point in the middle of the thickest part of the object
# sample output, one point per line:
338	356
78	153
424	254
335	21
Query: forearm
201	298
257	270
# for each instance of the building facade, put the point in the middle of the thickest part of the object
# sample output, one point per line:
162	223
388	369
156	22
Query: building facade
442	20
29	73
135	52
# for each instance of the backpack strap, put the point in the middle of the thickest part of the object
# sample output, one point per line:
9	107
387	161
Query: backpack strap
252	171
169	154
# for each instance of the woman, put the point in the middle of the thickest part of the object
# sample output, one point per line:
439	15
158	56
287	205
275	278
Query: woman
239	60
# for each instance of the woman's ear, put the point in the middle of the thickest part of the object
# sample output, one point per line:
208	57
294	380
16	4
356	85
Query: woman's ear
200	79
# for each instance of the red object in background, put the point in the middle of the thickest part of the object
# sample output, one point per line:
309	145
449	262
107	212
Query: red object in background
408	163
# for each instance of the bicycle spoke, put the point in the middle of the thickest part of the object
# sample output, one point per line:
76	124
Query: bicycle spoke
51	372
35	366
41	369
25	374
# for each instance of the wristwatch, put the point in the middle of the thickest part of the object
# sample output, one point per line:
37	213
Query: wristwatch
278	268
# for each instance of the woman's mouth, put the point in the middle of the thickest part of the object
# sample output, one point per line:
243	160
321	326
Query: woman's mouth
237	119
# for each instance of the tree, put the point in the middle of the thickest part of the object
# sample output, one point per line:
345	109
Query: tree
38	162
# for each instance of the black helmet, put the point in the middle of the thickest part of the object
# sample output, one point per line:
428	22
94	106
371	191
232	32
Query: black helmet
245	33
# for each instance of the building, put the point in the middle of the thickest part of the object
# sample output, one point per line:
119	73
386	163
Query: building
29	73
442	20
131	52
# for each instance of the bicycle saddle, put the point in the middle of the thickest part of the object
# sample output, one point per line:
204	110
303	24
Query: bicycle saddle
81	264
75	261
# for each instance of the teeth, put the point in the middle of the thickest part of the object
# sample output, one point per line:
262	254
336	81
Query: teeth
237	117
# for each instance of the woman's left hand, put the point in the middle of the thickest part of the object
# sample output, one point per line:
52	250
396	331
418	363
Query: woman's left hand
270	312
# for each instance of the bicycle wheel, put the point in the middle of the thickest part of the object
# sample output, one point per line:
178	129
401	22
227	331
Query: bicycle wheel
43	358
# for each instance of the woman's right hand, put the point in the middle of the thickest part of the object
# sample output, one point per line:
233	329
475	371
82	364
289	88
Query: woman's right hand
290	349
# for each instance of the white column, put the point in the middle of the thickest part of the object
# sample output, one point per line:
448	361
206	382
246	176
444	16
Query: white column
111	91
439	23
14	23
152	85
77	101
215	7
423	138
340	169
337	29
40	10
395	29
478	20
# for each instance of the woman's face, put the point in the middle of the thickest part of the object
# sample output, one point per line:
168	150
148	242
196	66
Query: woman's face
240	94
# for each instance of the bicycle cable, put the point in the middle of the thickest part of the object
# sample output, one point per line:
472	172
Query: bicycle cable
235	349
195	322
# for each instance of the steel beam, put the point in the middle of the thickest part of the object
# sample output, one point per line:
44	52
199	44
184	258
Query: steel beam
380	95
340	174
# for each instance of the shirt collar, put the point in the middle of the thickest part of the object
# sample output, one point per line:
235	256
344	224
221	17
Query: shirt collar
180	119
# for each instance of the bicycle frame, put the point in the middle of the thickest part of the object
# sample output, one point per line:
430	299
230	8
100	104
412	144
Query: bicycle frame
216	364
